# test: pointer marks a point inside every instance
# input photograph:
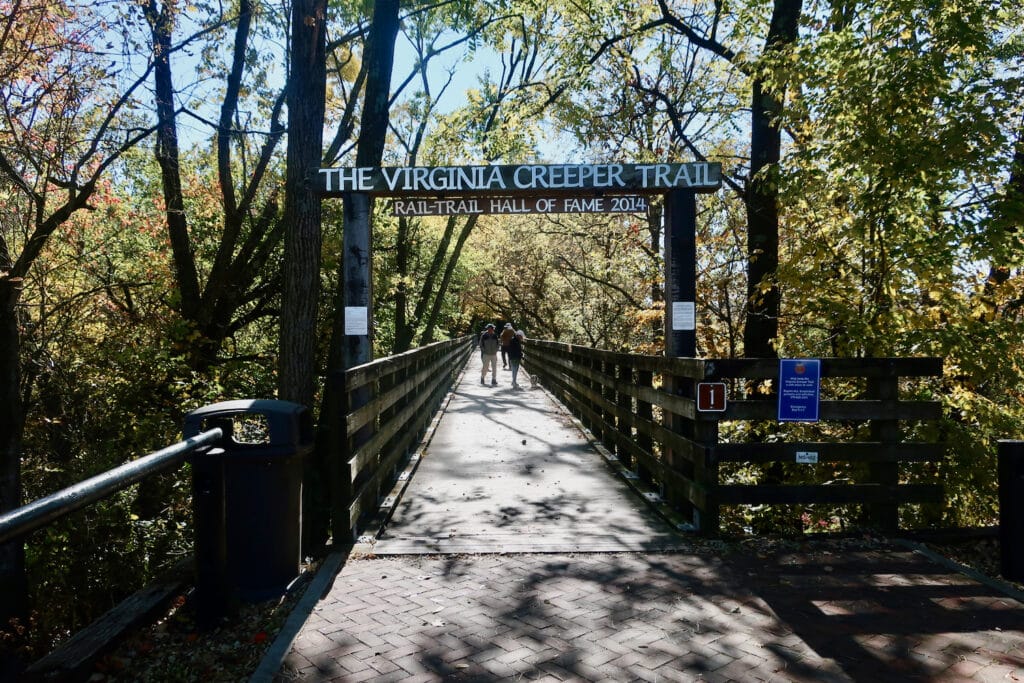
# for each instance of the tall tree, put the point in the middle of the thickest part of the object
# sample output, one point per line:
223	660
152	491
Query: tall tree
768	91
235	287
490	115
768	86
64	112
297	360
345	351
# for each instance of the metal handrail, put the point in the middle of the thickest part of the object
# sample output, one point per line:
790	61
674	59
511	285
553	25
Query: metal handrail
23	520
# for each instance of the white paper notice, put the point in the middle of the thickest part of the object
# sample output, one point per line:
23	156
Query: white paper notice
356	321
683	315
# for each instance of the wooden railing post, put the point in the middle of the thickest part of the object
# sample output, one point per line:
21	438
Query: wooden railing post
884	515
592	423
624	377
679	462
705	433
645	411
338	450
608	424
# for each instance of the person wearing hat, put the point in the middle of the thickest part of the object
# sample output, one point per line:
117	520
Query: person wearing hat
489	354
506	338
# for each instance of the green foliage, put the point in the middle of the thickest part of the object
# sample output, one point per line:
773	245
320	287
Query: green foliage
110	380
901	121
904	130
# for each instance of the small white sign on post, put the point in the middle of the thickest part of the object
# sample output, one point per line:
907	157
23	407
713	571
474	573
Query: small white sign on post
684	315
807	457
356	321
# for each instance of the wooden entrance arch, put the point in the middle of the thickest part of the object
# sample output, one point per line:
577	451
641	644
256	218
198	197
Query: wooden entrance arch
523	188
543	188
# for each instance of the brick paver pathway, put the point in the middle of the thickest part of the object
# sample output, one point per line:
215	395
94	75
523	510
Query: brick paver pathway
478	605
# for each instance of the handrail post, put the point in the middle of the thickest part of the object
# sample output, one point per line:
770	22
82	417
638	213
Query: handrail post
680	386
705	434
1011	509
209	515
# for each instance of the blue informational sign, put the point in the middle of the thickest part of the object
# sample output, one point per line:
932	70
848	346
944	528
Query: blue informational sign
799	389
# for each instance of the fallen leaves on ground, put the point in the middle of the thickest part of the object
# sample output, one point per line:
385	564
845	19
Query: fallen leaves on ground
175	650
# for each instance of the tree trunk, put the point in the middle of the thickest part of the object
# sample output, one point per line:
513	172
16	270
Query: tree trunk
167	156
763	301
13	582
297	361
379	56
446	278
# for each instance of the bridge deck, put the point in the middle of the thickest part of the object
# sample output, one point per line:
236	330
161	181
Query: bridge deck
507	471
506	476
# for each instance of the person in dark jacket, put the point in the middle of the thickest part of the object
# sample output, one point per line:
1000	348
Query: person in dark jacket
507	333
489	354
515	355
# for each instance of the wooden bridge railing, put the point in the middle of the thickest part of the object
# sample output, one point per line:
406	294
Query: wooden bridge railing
397	397
404	393
643	409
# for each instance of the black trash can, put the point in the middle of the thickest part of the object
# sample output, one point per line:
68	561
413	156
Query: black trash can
264	445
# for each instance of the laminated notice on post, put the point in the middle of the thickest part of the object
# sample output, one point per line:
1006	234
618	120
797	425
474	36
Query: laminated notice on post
356	321
683	315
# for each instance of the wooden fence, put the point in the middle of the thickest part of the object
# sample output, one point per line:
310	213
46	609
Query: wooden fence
643	409
397	398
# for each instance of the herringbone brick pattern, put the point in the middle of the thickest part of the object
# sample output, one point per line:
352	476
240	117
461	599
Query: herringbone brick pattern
575	580
879	615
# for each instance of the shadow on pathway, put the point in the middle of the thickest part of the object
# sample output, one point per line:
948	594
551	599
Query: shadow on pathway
504	561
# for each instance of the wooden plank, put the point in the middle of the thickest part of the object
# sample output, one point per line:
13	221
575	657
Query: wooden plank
576	374
73	659
654	364
768	368
375	370
844	494
839	410
365	453
379	404
862	451
690	490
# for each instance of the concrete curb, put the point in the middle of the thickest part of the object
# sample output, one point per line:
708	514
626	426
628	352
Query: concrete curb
320	585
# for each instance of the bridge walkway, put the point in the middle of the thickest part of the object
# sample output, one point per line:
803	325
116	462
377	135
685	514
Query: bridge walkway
507	470
515	554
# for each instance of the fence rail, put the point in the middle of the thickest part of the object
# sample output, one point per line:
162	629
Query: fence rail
37	514
393	401
399	396
644	410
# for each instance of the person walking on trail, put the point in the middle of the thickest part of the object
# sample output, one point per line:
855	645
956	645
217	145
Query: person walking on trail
515	355
506	338
489	354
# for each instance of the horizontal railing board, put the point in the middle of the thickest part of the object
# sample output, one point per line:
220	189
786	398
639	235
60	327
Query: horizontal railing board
825	493
863	451
835	410
599	386
756	368
367	413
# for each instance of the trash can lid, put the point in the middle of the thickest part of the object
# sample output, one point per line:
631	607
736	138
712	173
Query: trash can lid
288	423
